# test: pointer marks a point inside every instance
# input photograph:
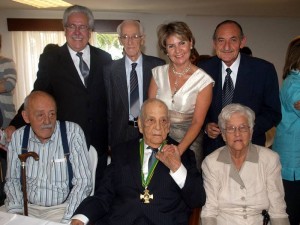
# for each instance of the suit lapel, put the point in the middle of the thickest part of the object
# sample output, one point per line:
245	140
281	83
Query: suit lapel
135	165
147	74
121	80
244	81
68	65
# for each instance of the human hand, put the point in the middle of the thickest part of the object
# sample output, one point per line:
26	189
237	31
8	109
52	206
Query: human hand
297	105
9	131
212	130
76	222
170	157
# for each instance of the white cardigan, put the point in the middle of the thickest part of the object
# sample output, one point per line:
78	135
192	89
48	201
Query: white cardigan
238	197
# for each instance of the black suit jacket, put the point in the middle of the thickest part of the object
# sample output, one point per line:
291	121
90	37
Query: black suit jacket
87	107
117	93
256	87
117	200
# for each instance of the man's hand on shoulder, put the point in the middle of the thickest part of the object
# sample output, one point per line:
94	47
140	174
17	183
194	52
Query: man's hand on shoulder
9	131
76	222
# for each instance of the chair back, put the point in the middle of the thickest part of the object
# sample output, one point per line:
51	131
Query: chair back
93	166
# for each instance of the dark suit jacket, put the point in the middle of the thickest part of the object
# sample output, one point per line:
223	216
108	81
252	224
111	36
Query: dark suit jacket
117	92
118	197
256	87
87	107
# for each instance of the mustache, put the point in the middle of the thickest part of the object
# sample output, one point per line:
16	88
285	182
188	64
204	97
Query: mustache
47	126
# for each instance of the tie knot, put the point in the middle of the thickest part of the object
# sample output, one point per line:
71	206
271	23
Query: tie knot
155	150
228	70
79	54
134	65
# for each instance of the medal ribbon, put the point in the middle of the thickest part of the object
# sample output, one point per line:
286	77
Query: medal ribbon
146	182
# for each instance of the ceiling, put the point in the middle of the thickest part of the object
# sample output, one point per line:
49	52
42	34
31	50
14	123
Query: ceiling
230	8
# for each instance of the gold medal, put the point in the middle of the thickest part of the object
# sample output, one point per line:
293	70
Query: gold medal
146	196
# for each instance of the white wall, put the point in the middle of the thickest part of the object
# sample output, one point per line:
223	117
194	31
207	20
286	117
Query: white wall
267	37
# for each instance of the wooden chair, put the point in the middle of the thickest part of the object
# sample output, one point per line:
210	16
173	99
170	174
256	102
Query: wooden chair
195	217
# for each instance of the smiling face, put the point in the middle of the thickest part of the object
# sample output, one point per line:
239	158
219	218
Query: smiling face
77	31
178	50
154	123
227	42
237	133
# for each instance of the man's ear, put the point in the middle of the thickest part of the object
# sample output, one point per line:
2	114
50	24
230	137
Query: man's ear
25	116
140	125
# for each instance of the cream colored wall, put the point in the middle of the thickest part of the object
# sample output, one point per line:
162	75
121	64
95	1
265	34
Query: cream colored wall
267	37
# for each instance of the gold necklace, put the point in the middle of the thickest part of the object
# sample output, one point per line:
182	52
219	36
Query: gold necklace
178	75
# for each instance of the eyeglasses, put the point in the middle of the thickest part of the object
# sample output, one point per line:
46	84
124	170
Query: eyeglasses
73	27
135	37
241	128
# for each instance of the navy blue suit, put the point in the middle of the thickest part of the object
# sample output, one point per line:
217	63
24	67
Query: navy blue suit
256	87
117	200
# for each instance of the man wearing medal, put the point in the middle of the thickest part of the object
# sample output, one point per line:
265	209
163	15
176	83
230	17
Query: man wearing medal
133	194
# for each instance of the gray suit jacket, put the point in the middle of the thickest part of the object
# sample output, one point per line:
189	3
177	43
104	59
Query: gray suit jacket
117	96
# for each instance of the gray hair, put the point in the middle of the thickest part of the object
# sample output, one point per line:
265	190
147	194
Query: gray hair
137	23
231	109
79	9
150	101
35	94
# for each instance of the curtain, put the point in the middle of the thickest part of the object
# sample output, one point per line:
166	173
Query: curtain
27	47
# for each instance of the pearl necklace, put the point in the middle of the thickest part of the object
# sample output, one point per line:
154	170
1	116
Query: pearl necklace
178	75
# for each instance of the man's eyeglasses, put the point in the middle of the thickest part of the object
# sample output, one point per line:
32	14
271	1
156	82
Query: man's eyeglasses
135	37
73	27
241	128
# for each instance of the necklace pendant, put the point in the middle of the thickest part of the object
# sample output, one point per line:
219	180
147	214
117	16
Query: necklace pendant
146	196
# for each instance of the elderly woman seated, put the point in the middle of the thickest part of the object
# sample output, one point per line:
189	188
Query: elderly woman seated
241	179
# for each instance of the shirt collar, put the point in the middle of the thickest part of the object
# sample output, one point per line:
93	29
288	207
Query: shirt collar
85	51
34	138
252	155
128	61
234	67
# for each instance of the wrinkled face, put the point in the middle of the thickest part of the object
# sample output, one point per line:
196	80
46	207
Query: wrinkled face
41	114
228	43
155	124
237	134
132	40
178	50
77	31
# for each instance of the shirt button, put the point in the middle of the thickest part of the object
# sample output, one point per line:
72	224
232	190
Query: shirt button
245	216
243	198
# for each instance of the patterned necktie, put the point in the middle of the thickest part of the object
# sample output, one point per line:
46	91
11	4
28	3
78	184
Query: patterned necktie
134	92
84	69
228	89
152	157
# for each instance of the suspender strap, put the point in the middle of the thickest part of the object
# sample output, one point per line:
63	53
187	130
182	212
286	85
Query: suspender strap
25	139
64	139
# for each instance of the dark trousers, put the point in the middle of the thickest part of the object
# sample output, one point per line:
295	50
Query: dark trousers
292	199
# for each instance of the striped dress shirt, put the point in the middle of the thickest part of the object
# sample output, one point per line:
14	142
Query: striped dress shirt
48	179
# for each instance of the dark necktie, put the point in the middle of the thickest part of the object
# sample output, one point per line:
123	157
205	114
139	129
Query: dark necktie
152	157
134	92
84	69
228	89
